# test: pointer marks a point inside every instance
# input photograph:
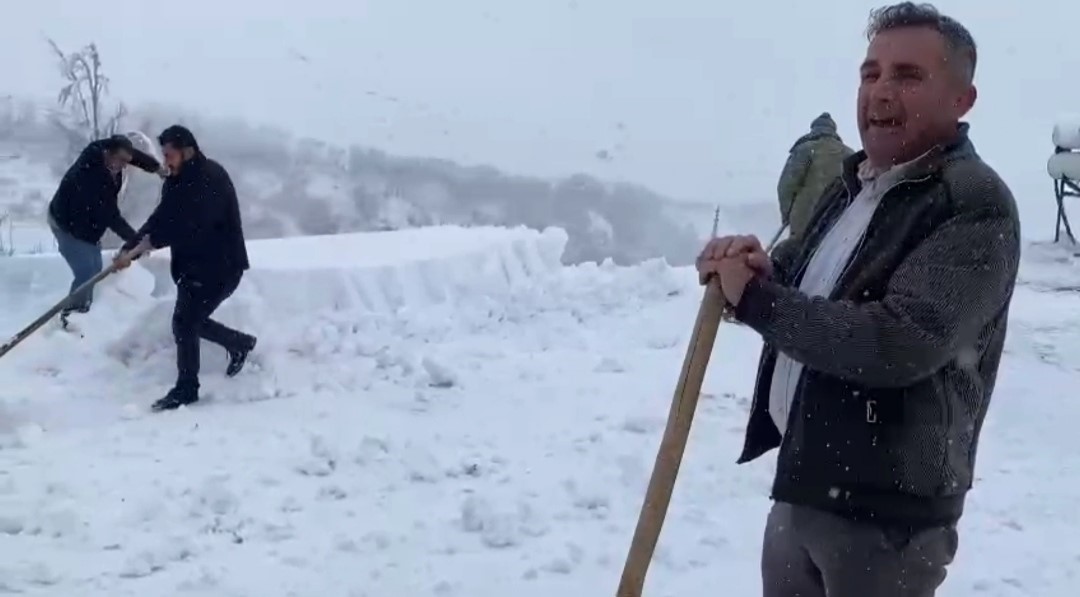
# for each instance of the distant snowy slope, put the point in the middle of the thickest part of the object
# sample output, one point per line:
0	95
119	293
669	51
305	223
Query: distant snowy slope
295	186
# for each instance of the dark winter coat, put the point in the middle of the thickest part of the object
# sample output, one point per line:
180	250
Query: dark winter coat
900	360
814	161
85	204
198	218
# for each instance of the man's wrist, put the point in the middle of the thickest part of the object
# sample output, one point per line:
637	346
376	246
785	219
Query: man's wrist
756	302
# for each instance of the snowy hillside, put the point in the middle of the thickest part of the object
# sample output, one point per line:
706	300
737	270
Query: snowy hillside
292	186
450	412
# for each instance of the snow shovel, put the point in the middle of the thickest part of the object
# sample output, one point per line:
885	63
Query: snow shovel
45	317
673	443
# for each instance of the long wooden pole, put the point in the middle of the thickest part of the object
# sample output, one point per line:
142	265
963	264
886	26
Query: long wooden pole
673	443
46	316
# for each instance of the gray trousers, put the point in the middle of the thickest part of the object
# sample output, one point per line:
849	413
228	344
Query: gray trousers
811	553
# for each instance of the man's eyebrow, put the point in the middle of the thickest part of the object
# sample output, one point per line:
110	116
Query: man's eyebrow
903	67
907	66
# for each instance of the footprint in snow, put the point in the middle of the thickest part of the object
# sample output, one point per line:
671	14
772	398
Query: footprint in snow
609	365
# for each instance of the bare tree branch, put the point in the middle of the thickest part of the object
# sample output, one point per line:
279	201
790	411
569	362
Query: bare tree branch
82	99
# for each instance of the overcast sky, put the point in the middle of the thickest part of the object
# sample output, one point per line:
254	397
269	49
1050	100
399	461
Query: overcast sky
696	98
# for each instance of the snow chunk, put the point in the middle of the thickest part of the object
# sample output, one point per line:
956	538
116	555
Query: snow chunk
1067	132
439	375
609	365
500	528
1064	165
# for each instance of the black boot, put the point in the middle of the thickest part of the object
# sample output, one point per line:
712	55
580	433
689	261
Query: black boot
238	357
177	397
67	311
79	308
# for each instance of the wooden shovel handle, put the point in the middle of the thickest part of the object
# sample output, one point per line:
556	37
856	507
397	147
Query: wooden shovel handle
673	444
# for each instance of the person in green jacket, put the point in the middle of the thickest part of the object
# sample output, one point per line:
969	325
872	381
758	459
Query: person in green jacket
814	161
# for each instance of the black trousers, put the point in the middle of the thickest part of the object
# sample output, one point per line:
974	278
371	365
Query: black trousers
196	301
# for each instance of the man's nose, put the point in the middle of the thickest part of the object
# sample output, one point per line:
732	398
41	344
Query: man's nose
883	90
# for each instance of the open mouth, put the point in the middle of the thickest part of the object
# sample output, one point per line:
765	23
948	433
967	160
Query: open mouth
885	123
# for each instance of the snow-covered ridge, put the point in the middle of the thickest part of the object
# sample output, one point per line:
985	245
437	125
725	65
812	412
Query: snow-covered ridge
385	271
379	302
378	272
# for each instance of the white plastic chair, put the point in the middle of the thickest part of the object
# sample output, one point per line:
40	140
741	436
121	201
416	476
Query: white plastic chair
1064	168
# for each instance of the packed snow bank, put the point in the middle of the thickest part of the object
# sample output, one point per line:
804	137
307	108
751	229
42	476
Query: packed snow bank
1067	132
378	272
392	248
295	287
384	271
379	303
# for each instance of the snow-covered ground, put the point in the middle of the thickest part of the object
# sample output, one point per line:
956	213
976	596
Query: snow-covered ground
450	412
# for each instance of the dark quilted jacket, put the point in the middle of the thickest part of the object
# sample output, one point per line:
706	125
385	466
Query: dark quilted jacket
900	361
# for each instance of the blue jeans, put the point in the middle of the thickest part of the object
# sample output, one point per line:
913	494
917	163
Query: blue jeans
85	262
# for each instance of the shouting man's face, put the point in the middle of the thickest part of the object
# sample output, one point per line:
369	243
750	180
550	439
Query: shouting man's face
910	96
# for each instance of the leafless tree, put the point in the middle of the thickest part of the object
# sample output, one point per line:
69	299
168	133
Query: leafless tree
82	101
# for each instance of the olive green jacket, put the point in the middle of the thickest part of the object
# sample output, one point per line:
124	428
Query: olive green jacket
815	161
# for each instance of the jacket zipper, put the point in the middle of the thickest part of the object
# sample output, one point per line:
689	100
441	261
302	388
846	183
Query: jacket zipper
870	414
862	239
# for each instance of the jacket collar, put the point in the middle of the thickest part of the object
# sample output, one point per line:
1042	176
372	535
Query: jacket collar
929	164
192	166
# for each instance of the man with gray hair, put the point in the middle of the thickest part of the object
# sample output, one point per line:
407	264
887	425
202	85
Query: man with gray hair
883	329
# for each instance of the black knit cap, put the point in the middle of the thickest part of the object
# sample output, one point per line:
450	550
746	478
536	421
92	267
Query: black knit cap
179	137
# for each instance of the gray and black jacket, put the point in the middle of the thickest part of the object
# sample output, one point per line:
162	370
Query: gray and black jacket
900	361
85	204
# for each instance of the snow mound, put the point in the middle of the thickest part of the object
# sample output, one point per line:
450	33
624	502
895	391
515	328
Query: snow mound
1064	165
385	271
334	313
1067	132
408	273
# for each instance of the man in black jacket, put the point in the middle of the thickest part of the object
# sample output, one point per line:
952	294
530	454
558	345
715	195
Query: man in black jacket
199	219
883	327
85	206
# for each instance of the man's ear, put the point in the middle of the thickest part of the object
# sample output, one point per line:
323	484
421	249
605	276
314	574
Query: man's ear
966	101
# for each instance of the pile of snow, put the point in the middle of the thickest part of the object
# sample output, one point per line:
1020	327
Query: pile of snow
1065	165
385	271
1067	132
314	302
